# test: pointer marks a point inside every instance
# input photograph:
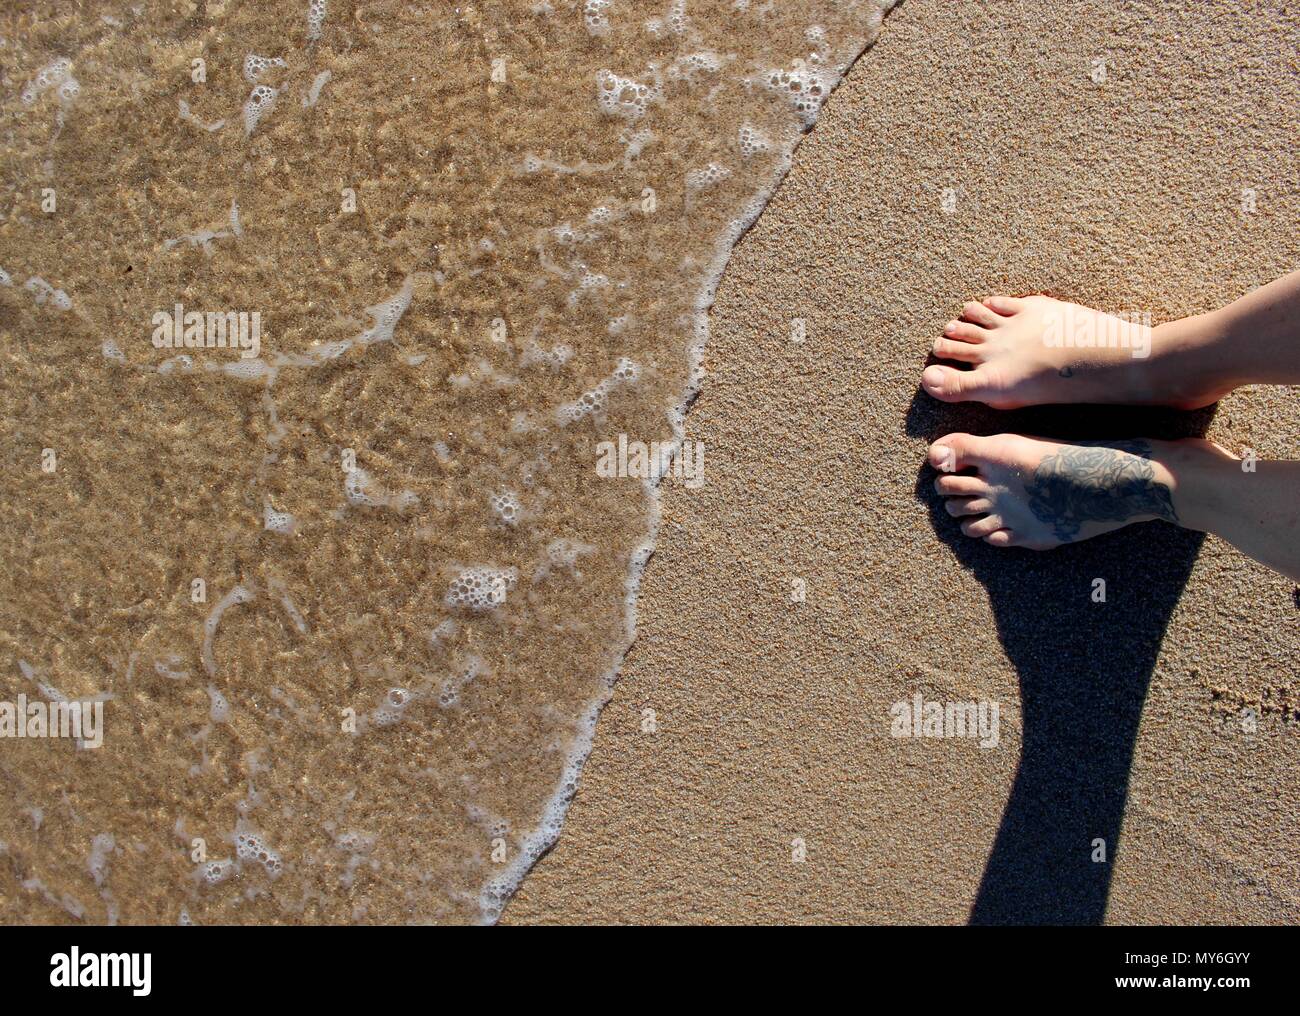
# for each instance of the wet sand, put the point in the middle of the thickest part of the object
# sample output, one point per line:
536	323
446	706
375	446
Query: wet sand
1166	185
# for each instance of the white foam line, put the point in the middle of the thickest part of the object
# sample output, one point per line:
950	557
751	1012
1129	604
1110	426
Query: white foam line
498	890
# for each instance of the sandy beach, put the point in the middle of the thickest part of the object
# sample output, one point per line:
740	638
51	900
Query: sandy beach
343	344
1129	189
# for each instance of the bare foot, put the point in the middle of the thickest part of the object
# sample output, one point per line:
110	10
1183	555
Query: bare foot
1015	491
1036	350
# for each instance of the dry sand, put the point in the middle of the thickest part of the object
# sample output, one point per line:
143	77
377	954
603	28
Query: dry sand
1120	721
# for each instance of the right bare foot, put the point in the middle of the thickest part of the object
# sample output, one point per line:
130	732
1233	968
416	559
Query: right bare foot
1036	350
1017	491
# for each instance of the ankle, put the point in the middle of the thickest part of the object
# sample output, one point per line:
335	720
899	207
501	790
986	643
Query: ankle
1192	361
1203	478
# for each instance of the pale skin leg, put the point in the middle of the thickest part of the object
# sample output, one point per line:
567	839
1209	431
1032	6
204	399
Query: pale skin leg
1007	344
1039	494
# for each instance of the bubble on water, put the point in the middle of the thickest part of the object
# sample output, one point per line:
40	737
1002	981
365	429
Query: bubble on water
55	75
363	490
506	507
470	669
389	712
216	872
672	22
625	97
248	370
219	707
554	358
693	67
355	842
255	66
251	847
278	522
260	102
316	13
635	142
597	399
752	141
169	667
43	293
562	554
481	587
706	177
804	88
595	14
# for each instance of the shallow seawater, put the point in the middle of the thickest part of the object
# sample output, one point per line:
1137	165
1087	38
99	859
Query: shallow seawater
352	592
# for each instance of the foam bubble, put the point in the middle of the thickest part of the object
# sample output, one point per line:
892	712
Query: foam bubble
625	97
278	522
216	872
672	22
261	100
219	706
803	87
362	490
506	507
250	846
316	13
470	669
43	293
255	66
595	15
481	587
752	141
56	75
596	400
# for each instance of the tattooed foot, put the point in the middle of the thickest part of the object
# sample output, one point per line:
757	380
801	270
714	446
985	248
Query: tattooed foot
1015	491
1037	350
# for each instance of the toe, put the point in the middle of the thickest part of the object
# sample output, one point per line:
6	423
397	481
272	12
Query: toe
960	506
965	331
985	526
947	484
1001	538
947	384
981	315
955	452
1004	305
965	352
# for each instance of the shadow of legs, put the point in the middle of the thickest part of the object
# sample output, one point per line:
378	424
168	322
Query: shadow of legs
1084	668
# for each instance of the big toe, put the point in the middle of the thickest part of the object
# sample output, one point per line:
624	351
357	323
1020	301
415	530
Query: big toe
955	452
947	384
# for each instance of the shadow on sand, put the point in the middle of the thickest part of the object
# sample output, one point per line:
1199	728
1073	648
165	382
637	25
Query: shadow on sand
1084	667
